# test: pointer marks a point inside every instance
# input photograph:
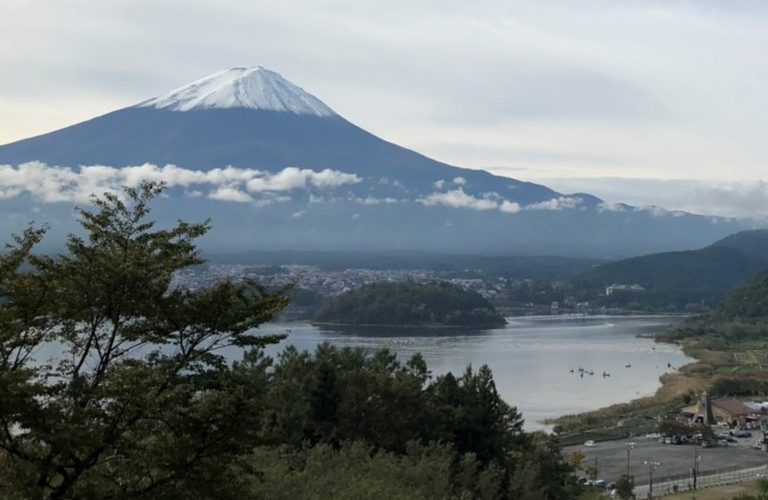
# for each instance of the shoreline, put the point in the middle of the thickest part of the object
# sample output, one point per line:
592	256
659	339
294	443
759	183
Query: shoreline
674	386
409	326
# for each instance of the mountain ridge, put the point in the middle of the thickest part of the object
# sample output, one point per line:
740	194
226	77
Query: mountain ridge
401	199
707	274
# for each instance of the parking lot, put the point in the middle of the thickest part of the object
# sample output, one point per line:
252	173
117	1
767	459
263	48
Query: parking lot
673	459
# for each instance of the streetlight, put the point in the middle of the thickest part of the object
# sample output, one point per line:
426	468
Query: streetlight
651	467
629	445
696	458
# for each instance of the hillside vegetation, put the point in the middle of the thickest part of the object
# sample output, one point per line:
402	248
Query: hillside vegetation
749	302
693	276
753	242
731	342
411	304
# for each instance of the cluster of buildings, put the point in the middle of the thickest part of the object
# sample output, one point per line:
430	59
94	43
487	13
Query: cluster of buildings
622	288
329	282
726	411
519	296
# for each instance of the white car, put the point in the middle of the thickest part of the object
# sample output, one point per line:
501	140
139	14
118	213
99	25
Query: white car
589	444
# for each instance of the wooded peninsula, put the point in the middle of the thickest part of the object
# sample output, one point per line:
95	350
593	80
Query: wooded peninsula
411	304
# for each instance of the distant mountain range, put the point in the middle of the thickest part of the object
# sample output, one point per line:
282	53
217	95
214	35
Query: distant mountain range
708	274
275	168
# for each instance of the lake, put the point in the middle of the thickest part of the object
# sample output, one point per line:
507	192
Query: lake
531	357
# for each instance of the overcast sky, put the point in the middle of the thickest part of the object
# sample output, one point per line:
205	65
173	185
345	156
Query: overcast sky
624	99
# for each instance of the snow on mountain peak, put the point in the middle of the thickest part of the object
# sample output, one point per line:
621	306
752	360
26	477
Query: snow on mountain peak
250	88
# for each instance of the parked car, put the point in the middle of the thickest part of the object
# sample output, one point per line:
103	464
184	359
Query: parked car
599	483
589	444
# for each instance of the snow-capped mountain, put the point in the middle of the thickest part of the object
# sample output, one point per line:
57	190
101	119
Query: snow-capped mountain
277	168
248	88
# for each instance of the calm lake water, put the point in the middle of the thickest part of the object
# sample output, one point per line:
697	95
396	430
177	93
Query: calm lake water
531	357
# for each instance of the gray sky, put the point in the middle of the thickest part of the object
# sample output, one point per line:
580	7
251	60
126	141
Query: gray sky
554	91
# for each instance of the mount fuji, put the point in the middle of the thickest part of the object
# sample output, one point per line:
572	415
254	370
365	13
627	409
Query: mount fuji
276	168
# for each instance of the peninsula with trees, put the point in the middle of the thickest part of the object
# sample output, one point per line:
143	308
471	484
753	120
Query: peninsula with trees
411	304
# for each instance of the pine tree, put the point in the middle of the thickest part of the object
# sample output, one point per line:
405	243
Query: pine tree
112	383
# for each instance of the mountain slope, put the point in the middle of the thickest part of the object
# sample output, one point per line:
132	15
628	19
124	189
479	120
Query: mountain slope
749	302
752	242
708	268
349	189
705	274
249	118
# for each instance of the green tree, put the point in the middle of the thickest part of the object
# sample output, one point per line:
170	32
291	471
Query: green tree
625	487
355	470
411	304
112	383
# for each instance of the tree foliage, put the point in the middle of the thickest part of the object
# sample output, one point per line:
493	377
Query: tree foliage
625	487
110	381
749	302
411	304
113	384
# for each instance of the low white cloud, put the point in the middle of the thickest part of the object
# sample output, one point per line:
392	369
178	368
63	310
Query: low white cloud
291	178
370	200
743	199
612	207
653	210
51	183
439	184
559	203
299	214
460	181
510	207
386	181
224	193
457	198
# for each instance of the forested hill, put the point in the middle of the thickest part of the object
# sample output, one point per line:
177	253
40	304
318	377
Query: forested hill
714	267
750	302
705	274
753	242
411	304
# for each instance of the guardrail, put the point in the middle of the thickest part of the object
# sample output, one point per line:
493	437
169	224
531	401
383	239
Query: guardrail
670	485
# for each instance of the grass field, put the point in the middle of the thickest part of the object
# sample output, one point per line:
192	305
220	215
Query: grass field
719	492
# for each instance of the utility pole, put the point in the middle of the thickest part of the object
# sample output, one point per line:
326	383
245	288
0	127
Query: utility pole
696	460
651	467
629	445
